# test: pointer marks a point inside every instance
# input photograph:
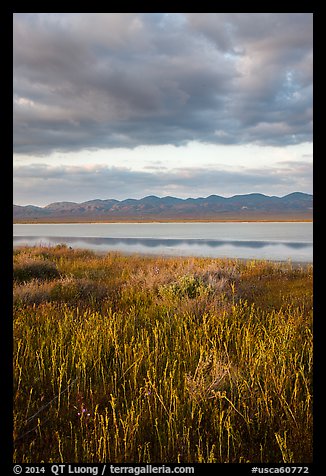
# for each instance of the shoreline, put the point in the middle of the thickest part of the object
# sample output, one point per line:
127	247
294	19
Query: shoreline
137	221
288	262
278	262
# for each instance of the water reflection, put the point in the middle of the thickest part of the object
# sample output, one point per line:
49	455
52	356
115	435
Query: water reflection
197	247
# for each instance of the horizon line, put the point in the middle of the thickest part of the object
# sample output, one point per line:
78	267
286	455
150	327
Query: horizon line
166	196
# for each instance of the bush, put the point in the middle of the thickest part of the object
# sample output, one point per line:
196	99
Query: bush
73	290
28	269
67	289
186	287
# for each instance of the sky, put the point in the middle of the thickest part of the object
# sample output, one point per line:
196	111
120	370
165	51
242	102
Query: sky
125	105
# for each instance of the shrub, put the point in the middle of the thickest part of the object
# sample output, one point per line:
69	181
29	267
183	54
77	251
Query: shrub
66	289
78	290
27	269
32	292
186	287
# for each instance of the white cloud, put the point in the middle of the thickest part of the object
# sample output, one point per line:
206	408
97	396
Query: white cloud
183	175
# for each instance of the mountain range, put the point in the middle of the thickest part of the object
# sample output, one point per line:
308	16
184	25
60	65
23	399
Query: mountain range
254	206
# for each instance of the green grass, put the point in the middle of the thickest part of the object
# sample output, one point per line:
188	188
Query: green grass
150	359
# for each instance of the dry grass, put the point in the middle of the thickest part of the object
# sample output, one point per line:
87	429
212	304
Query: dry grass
136	359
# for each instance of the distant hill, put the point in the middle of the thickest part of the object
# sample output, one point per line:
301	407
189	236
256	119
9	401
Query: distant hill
254	206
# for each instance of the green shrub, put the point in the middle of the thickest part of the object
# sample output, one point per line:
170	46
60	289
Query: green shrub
186	287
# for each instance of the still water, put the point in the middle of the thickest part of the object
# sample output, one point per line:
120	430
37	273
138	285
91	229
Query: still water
273	241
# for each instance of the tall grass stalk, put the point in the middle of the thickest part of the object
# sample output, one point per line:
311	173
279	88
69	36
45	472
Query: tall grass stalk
144	359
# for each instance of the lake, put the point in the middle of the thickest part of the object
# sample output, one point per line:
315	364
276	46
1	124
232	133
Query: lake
272	241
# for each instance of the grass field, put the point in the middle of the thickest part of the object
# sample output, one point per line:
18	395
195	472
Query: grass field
149	359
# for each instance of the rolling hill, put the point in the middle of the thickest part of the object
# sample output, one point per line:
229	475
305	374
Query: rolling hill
254	206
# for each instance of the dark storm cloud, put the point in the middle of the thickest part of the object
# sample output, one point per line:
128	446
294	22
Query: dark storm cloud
111	80
42	184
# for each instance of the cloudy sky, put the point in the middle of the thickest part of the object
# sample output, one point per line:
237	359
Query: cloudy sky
124	105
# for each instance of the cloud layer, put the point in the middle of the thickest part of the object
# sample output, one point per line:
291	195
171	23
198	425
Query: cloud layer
41	184
92	81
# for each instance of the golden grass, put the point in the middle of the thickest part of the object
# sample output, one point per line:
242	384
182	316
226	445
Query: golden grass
148	359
